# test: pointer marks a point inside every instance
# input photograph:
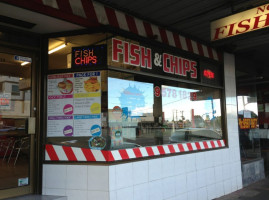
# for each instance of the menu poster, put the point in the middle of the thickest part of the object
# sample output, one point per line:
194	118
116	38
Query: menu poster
87	124
74	104
60	94
87	93
60	126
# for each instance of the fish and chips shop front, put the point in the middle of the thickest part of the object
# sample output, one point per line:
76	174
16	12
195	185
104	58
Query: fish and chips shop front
118	110
126	116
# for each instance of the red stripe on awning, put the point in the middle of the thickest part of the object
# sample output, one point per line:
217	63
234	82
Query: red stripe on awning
88	154
111	16
205	145
51	152
108	155
163	35
200	49
52	12
131	24
123	154
69	153
89	10
210	52
171	148
148	29
198	145
212	144
137	153
189	146
150	151
177	41
65	6
219	143
161	150
189	44
180	147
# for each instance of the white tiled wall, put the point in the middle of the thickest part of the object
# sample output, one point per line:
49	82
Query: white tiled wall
195	176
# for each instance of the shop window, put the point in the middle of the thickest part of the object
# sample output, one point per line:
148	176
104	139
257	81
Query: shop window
60	49
155	112
248	123
133	98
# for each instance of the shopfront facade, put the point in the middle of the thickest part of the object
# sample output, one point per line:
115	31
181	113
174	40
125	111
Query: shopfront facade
121	114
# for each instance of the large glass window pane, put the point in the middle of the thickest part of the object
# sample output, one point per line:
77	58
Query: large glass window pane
192	114
145	111
249	132
15	101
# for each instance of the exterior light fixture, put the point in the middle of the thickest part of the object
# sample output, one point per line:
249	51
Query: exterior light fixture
24	63
56	49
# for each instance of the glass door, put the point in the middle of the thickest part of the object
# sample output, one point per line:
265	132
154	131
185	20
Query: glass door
15	111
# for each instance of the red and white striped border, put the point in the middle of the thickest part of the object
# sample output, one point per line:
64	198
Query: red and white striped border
88	13
65	153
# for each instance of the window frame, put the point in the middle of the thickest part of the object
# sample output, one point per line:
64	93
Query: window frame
144	152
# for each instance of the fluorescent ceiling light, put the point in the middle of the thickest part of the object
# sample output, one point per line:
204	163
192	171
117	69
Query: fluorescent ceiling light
57	48
24	63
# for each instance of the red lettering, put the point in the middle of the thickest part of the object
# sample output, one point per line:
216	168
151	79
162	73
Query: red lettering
180	66
85	53
257	22
261	9
94	59
193	69
186	66
219	31
116	50
77	61
209	74
126	53
146	58
244	26
134	53
165	60
85	60
173	64
77	53
90	53
230	33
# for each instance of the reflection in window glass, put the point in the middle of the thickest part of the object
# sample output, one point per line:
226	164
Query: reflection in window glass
15	104
130	103
191	114
249	130
151	113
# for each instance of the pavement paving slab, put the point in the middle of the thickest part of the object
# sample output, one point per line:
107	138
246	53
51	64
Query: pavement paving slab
255	191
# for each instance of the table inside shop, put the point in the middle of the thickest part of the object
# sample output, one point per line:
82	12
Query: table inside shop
13	132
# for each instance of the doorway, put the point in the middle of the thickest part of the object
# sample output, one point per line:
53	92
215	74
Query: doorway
17	127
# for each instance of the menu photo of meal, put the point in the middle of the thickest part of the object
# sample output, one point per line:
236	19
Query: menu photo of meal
60	84
65	86
87	83
92	84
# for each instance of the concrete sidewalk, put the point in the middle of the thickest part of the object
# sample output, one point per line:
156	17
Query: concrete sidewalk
255	191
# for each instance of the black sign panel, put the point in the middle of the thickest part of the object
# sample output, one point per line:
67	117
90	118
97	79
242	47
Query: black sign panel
173	65
89	56
210	74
